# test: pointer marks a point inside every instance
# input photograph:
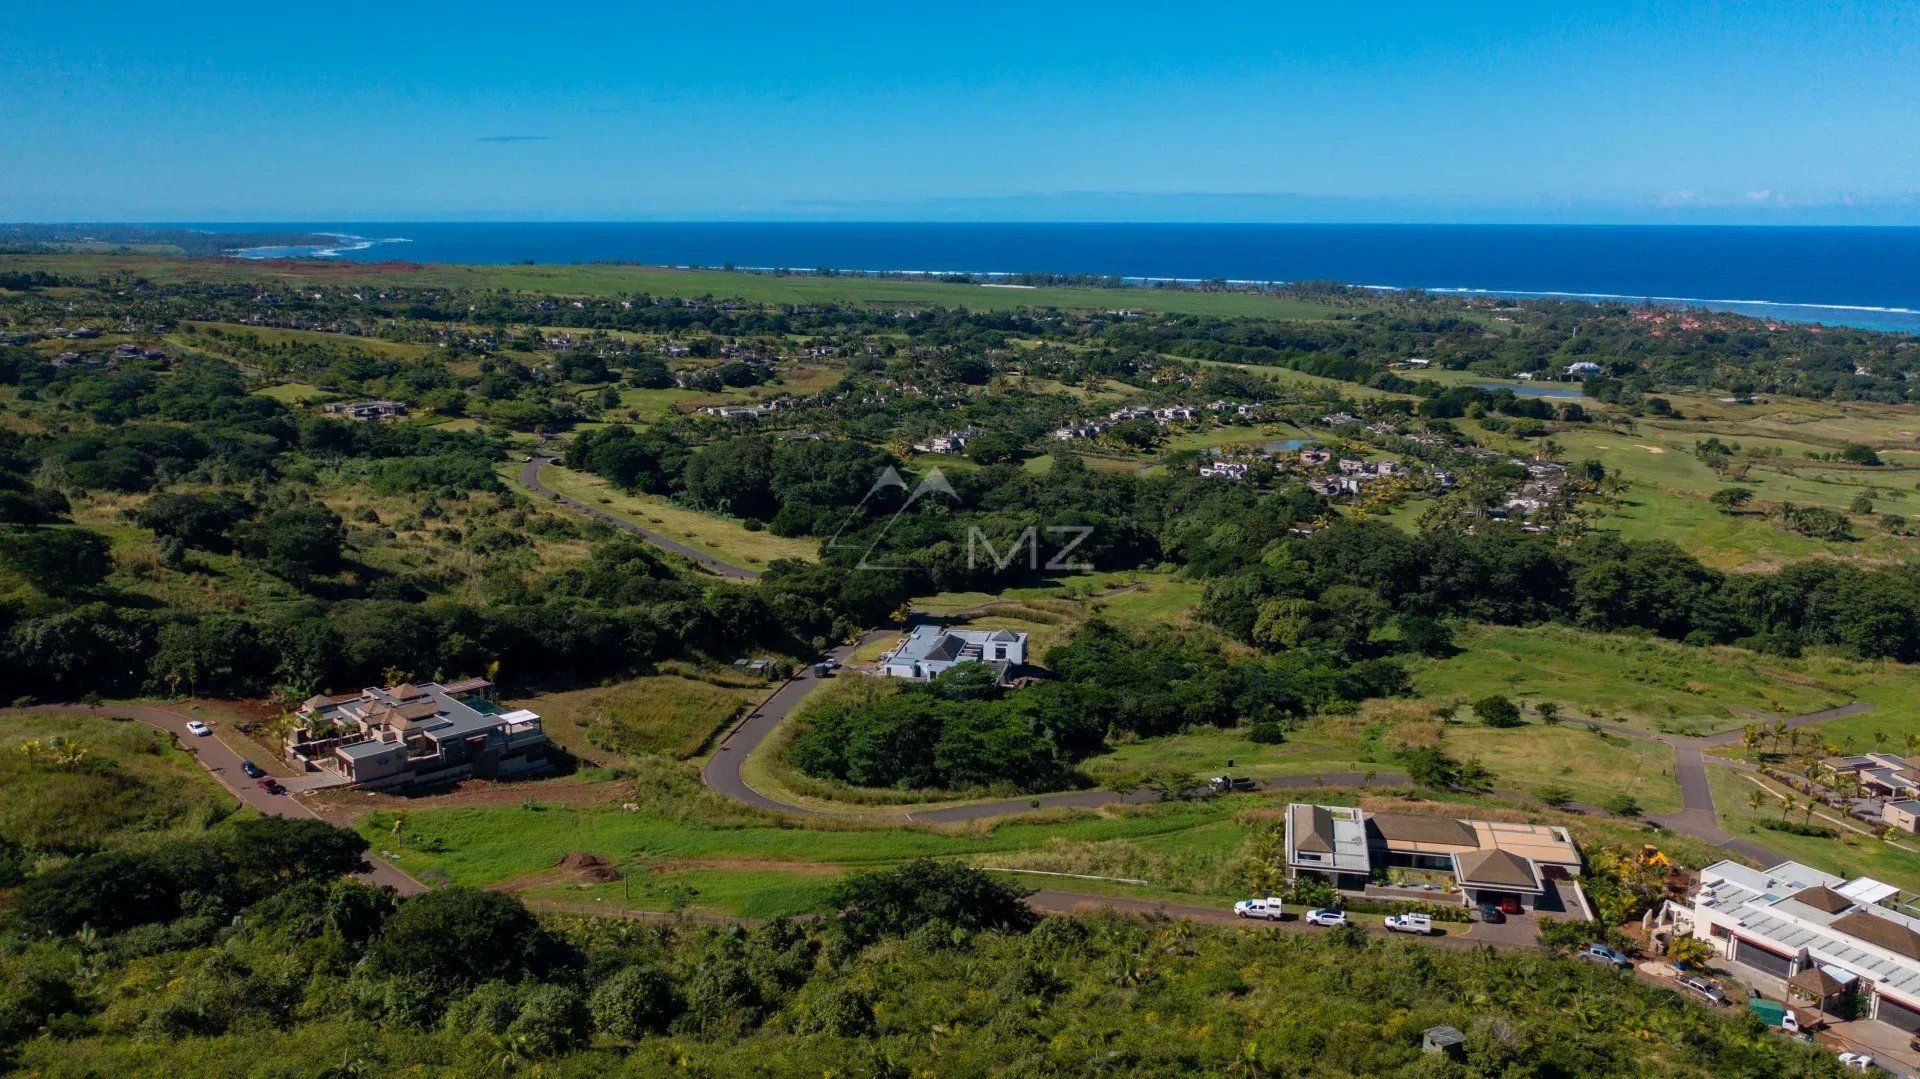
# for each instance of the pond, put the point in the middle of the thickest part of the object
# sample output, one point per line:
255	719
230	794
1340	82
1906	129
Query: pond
1284	445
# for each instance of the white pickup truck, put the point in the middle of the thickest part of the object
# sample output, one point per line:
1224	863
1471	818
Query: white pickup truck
1269	907
1410	923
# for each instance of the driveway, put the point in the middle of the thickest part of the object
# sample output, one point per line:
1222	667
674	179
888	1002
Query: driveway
220	761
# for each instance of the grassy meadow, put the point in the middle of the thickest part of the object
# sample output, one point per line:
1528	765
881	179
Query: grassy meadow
720	537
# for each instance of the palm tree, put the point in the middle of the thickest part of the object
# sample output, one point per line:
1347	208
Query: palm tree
1749	740
1911	742
1787	805
1756	800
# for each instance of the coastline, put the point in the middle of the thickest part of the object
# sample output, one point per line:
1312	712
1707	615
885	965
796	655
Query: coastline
1834	277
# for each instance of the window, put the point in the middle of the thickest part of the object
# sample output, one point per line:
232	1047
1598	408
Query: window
1718	930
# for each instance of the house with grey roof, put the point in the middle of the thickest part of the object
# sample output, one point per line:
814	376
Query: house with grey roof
413	735
930	650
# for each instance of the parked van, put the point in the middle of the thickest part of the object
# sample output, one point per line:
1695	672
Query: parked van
1410	923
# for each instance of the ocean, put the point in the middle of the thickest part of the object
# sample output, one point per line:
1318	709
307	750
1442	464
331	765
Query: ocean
1866	277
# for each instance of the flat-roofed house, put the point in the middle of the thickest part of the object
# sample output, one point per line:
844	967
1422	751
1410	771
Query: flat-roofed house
1489	860
410	735
1801	931
931	650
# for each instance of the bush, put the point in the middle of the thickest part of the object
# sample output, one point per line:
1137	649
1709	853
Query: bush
1562	933
1497	711
1554	795
1621	804
1266	733
894	902
552	1020
1794	827
840	1011
634	1002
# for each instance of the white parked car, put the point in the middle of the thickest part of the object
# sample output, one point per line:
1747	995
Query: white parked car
198	729
1410	923
1326	916
1269	907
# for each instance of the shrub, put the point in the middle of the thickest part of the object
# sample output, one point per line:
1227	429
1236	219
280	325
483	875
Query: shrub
1266	733
895	902
1794	827
1554	795
840	1011
1497	711
1621	804
633	1002
552	1020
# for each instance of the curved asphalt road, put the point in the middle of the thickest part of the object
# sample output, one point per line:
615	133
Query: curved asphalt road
223	763
1696	818
530	479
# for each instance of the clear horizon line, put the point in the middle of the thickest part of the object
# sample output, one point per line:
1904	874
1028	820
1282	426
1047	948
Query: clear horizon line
969	223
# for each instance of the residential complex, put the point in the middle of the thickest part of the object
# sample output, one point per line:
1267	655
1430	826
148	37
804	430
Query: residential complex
1489	861
929	650
1841	945
410	735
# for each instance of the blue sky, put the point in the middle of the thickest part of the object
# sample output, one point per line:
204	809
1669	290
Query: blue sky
1569	111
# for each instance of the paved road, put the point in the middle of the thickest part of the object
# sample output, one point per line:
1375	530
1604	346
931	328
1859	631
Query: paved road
530	479
722	771
1697	817
1727	738
223	763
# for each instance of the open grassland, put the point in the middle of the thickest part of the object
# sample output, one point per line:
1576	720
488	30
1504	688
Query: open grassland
720	537
1287	376
1670	485
292	393
76	782
1590	766
212	337
1849	855
1649	683
461	549
670	714
610	280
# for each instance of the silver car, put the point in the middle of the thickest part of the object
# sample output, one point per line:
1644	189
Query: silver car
1704	989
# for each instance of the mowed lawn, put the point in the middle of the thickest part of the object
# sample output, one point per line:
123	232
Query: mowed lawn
667	714
726	539
1650	683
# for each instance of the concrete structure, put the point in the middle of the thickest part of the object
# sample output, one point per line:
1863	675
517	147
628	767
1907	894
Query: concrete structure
1490	861
930	650
1885	775
367	410
411	735
1903	814
1833	942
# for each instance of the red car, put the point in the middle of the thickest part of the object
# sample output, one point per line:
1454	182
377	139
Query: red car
1510	905
269	784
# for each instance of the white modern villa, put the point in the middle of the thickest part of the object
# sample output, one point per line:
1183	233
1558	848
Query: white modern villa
929	650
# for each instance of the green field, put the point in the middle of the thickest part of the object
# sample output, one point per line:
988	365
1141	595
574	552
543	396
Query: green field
667	714
292	393
1850	855
76	783
1650	683
611	280
720	537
